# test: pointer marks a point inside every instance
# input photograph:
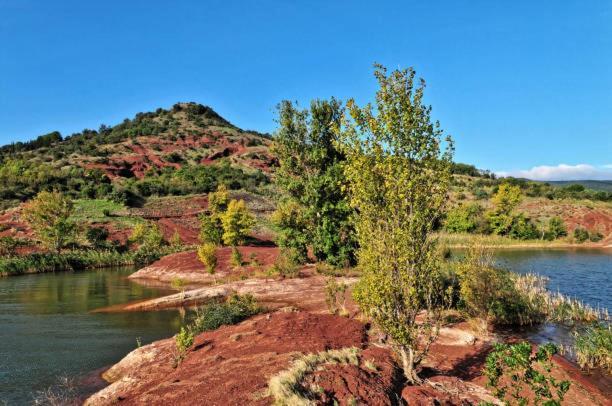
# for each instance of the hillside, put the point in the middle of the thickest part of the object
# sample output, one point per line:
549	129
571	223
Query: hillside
162	152
599	185
159	166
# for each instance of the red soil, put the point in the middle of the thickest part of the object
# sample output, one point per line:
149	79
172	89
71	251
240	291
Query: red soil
187	266
232	365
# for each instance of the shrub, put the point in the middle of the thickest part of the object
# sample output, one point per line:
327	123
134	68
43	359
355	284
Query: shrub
210	229
290	220
335	296
556	228
463	219
96	236
522	228
593	347
207	254
581	234
8	246
235	309
175	240
285	266
237	222
595	236
512	371
236	258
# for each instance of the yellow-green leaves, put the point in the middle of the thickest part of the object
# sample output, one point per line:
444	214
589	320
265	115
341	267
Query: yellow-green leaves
48	214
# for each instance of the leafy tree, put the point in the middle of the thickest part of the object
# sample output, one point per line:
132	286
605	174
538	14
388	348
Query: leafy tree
237	222
399	175
522	228
207	254
218	201
463	219
556	228
311	174
291	221
49	216
211	228
581	234
507	198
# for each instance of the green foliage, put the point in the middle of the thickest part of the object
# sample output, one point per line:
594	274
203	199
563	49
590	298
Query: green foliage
236	257
96	236
595	236
175	240
207	254
49	216
237	222
148	235
285	265
491	294
311	175
211	229
506	199
512	370
291	221
8	246
218	200
556	228
522	228
593	347
212	316
581	234
399	179
465	218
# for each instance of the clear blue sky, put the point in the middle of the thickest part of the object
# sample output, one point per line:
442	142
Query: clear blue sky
517	83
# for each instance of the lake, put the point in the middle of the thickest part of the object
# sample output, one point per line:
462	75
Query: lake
47	329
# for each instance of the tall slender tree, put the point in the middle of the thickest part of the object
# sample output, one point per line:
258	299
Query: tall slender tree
399	170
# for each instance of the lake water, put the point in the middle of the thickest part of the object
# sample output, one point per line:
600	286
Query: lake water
585	274
47	329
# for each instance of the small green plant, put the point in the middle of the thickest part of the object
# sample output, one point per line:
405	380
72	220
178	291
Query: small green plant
175	240
207	254
596	237
285	266
581	235
183	340
512	371
593	347
138	342
178	284
236	258
335	296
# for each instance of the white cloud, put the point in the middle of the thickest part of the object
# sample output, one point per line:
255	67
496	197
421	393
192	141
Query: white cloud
563	172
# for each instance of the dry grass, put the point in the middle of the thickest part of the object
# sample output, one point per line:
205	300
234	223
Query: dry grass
287	387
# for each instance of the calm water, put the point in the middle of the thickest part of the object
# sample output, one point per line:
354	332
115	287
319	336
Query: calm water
585	274
47	330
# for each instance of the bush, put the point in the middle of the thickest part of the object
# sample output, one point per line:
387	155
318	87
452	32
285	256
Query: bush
236	258
523	229
210	229
237	222
207	254
235	309
581	234
96	236
595	236
593	347
556	228
8	246
463	219
514	372
290	220
285	266
335	296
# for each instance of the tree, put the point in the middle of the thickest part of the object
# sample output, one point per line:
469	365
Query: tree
237	222
311	175
463	219
291	221
211	229
506	199
49	216
399	174
556	228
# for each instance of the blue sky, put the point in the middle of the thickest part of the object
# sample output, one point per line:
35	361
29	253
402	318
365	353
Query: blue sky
519	84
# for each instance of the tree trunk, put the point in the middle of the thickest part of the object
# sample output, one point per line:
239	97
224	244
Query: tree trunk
407	355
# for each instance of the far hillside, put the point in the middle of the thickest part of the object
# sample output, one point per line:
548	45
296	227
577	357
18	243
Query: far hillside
599	185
